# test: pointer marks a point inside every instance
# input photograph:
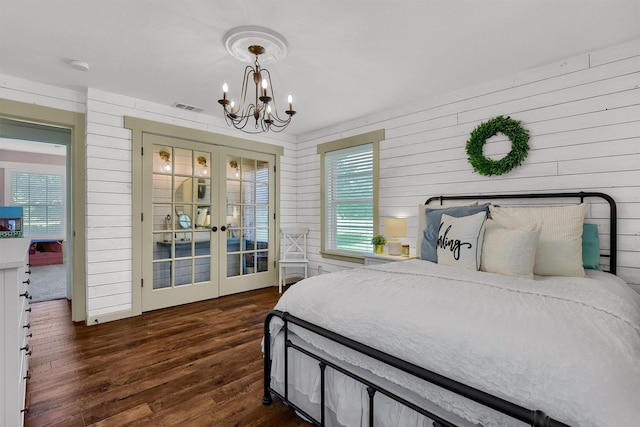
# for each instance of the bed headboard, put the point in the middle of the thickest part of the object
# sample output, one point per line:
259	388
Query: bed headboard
521	198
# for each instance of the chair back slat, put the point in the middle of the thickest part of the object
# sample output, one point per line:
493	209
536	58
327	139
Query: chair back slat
294	244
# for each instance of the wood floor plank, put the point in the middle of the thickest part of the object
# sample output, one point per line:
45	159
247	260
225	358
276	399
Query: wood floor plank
198	364
124	417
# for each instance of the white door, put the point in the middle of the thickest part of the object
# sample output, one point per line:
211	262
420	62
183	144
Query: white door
205	228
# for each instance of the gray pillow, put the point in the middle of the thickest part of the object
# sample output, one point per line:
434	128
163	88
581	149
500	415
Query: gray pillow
428	250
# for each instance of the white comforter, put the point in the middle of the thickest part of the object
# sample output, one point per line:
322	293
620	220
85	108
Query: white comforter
567	346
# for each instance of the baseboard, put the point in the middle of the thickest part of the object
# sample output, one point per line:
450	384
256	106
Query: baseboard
109	317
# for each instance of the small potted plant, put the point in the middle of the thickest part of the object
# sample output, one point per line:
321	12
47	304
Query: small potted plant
379	241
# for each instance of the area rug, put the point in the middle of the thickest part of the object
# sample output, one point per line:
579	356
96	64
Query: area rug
48	282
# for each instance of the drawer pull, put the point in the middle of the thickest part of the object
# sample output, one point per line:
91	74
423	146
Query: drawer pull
24	410
29	270
28	309
28	281
28	325
29	335
26	295
26	347
28	377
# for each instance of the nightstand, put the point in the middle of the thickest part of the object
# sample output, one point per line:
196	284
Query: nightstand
373	258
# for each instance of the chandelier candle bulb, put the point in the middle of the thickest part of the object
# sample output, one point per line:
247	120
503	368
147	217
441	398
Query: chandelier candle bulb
225	89
290	100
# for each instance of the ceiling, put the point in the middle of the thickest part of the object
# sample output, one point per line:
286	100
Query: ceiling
346	59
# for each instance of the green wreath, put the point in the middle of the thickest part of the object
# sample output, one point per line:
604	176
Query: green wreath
519	146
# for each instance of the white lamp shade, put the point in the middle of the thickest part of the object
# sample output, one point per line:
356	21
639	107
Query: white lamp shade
395	227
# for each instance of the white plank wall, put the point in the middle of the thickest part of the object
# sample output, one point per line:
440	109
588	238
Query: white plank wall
109	177
583	117
109	180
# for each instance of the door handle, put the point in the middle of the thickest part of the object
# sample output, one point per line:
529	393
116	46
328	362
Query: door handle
223	228
214	228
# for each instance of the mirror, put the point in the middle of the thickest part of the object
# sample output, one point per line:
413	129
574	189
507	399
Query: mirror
185	210
184	221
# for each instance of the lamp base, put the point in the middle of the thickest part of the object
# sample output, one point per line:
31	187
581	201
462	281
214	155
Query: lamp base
395	246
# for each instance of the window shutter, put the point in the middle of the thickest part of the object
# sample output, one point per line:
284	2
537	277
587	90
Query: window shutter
349	198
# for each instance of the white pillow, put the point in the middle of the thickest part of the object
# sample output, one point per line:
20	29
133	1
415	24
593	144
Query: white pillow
510	251
460	240
422	218
559	250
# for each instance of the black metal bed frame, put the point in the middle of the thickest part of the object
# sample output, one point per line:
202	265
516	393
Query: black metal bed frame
613	211
534	418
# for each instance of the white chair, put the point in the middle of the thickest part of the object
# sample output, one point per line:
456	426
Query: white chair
293	252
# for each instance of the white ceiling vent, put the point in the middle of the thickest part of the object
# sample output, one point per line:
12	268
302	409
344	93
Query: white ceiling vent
188	107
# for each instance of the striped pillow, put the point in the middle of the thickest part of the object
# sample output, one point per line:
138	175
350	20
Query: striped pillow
559	251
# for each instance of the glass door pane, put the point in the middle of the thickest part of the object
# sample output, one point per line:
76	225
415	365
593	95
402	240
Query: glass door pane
247	216
250	219
182	199
181	190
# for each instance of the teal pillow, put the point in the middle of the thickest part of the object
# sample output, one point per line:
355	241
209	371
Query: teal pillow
590	247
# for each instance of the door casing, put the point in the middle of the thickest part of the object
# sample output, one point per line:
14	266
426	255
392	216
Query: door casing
138	128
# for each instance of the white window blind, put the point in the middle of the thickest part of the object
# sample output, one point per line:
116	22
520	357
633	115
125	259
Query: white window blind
349	199
41	197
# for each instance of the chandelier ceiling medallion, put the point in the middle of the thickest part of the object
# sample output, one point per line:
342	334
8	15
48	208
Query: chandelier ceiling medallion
257	102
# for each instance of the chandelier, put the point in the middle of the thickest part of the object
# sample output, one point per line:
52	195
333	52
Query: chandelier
256	106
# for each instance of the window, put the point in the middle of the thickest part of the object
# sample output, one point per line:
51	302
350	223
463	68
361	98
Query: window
41	197
349	170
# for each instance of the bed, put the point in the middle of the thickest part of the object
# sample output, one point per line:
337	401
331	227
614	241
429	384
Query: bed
422	343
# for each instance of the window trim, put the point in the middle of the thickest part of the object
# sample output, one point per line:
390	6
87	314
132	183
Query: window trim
45	170
373	138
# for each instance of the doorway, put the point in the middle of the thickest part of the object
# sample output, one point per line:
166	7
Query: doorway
210	228
75	122
34	175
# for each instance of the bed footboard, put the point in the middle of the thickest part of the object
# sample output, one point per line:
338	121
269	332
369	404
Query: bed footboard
534	418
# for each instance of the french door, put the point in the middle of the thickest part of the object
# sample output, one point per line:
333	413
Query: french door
207	221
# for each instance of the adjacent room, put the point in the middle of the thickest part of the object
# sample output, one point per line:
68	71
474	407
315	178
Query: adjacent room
407	213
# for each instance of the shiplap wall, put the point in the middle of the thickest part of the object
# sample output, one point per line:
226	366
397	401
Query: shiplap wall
109	177
583	116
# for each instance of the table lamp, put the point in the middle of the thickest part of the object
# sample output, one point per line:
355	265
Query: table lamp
394	228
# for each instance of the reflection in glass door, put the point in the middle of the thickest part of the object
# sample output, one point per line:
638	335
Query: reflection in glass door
249	214
183	262
211	224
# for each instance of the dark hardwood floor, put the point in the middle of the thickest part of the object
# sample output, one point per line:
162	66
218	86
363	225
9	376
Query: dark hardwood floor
193	365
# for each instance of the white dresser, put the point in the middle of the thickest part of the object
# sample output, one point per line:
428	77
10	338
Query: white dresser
14	330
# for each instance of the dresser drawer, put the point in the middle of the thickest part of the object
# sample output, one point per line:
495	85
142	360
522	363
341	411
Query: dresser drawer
14	342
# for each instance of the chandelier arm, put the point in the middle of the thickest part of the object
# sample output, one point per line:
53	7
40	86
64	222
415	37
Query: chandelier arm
242	119
243	92
276	128
274	108
280	123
